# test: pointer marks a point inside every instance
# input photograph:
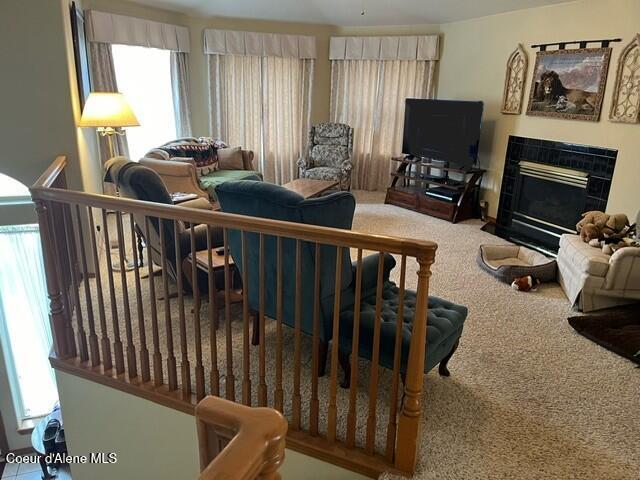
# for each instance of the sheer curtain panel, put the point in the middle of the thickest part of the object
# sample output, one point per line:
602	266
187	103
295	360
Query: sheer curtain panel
24	320
370	79
260	96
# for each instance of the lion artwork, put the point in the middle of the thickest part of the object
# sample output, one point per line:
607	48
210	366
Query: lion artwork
551	93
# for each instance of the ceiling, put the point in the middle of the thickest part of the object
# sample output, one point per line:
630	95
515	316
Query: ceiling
348	12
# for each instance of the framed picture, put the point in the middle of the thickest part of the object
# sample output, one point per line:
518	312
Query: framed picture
569	83
80	53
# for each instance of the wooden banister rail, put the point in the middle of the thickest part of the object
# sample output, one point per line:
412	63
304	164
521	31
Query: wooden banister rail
256	449
324	235
153	338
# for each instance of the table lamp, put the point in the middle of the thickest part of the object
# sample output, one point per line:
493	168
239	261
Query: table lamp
108	111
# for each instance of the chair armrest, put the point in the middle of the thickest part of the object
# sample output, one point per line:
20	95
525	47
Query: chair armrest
178	176
247	159
303	163
370	272
199	203
620	275
346	165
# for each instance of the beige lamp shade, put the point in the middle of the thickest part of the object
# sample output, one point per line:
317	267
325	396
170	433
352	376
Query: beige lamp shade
107	110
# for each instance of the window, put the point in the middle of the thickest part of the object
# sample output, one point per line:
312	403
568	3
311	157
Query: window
143	75
13	192
25	334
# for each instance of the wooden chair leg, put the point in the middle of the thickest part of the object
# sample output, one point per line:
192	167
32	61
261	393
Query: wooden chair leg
442	368
343	358
322	358
255	334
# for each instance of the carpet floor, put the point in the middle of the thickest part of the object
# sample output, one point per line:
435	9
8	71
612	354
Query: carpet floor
528	397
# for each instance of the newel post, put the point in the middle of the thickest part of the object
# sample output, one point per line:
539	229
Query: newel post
408	437
57	312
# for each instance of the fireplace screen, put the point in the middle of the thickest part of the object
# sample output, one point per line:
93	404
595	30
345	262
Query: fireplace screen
550	195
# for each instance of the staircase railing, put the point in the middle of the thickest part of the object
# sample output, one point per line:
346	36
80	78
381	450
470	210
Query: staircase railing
256	445
127	330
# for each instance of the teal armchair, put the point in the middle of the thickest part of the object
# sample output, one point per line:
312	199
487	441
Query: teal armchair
265	200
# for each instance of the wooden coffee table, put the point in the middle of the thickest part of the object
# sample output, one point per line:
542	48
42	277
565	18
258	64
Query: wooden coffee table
308	187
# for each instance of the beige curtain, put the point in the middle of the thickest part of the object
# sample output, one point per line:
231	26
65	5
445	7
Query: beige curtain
369	95
263	104
180	92
103	79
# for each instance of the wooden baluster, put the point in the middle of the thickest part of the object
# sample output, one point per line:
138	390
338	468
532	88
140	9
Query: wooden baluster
352	417
333	386
230	383
144	351
171	358
105	343
246	354
58	315
397	359
278	396
83	349
117	343
315	404
199	370
94	350
408	436
132	367
214	377
375	358
296	402
157	356
262	386
185	367
56	220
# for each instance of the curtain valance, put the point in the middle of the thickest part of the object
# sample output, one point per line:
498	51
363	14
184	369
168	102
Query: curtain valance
105	27
229	42
422	47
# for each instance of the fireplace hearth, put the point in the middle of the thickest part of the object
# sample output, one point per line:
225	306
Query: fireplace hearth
546	185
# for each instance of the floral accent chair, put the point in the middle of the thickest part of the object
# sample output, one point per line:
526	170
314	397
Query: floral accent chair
329	154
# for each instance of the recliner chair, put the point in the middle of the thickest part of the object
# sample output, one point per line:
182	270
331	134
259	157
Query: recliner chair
138	182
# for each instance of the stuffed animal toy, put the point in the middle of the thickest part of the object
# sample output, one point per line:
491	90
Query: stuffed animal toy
599	225
525	284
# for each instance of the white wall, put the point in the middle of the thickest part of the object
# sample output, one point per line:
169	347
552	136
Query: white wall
473	63
152	442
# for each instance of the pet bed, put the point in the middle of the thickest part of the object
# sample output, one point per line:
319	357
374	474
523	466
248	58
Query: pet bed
507	262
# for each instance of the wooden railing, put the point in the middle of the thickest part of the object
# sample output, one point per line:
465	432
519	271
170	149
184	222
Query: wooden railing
131	333
256	448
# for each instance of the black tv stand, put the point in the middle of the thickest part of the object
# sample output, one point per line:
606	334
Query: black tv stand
436	195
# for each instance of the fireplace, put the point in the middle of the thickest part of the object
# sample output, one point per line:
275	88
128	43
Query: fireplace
547	185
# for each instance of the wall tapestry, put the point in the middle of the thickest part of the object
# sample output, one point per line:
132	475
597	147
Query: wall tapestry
569	83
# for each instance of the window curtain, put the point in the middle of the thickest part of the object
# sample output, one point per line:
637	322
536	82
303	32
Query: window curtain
103	79
24	318
181	92
370	79
260	96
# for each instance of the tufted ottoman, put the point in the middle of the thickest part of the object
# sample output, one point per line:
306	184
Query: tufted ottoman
445	321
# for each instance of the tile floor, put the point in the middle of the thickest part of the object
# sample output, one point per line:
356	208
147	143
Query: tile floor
29	471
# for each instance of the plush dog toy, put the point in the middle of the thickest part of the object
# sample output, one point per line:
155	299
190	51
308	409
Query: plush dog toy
525	284
599	225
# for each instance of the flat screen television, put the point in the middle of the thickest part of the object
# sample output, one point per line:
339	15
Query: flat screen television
445	130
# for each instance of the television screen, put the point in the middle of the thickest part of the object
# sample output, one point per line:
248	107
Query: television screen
445	130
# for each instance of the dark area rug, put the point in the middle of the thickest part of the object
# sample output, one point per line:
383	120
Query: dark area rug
616	329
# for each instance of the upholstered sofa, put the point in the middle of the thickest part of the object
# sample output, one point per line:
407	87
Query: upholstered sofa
593	280
260	199
194	165
329	154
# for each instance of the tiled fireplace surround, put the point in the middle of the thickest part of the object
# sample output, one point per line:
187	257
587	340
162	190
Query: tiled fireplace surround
560	202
